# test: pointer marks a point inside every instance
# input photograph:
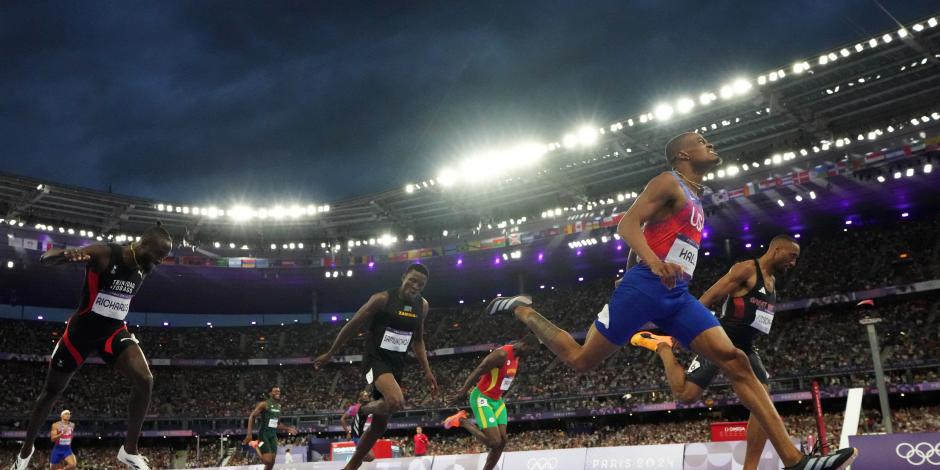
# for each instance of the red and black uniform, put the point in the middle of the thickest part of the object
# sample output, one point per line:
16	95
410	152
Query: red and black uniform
742	318
98	324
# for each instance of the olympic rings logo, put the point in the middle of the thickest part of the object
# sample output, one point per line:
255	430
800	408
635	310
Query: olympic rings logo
542	463
919	454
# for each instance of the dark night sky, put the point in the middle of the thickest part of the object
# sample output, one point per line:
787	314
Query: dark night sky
208	102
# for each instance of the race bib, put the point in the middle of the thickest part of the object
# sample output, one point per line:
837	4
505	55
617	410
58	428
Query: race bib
395	340
64	441
272	423
507	381
111	306
684	252
762	321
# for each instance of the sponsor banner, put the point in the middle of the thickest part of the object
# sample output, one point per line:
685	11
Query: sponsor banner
923	286
727	456
556	459
657	457
731	431
897	451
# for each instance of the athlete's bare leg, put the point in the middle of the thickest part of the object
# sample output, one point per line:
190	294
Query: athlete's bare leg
493	438
756	438
684	390
714	345
132	364
381	410
595	350
56	382
71	463
268	460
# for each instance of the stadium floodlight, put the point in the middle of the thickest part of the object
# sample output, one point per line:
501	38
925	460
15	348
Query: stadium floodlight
409	188
721	173
897	175
932	22
71	231
587	135
447	178
928	168
410	238
859	48
231	245
886	38
844	52
909	172
296	211
240	213
780	202
902	33
776	159
741	86
349	273
186	209
732	170
643	119
663	112
685	105
327	274
217	245
570	140
706	98
245	247
762	80
274	246
881	179
799	198
160	207
726	91
823	59
516	254
444	233
773	76
832	57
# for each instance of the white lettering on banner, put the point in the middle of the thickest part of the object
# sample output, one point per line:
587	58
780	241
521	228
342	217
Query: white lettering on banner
395	340
272	423
762	321
684	252
111	306
507	381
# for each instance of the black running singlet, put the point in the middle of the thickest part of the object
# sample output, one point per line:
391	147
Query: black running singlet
109	293
743	317
392	330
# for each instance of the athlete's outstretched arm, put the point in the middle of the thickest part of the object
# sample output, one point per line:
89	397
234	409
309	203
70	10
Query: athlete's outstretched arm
344	422
362	318
736	277
421	354
492	360
93	254
661	192
261	406
54	434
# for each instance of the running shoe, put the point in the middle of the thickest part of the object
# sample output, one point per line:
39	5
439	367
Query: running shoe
135	461
21	463
645	339
837	460
453	421
507	304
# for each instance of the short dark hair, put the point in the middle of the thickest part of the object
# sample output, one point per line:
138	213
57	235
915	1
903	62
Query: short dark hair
784	238
674	146
418	267
158	232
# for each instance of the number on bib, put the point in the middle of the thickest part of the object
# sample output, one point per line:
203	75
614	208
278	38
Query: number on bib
762	321
272	423
395	340
507	381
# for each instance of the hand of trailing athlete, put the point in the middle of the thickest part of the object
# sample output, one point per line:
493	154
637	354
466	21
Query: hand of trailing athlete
456	397
322	359
291	431
432	381
668	273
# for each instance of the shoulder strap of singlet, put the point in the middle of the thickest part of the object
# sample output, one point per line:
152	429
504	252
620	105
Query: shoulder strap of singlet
685	188
760	277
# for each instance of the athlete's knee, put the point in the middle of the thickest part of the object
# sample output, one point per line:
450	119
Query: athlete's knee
494	442
142	381
582	363
734	363
394	404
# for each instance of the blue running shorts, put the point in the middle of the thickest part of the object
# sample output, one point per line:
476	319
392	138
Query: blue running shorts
59	454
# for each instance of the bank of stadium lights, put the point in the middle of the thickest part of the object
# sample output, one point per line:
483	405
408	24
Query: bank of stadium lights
244	213
335	274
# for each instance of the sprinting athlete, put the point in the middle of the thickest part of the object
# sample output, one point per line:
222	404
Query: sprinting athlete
360	424
269	412
395	320
61	436
664	227
748	293
493	377
113	275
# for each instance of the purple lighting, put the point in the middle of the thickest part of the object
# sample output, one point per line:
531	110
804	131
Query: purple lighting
542	286
39	317
705	234
619	247
371	264
541	257
578	253
848	222
580	279
496	260
904	214
333	318
166	323
708	253
747	228
797	236
460	262
747	245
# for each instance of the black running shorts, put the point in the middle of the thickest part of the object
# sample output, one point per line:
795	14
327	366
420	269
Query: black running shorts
702	372
89	332
377	367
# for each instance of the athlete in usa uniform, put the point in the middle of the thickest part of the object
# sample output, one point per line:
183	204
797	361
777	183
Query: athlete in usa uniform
664	228
113	275
61	436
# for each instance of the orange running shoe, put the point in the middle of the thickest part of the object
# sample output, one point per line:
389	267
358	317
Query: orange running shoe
453	421
645	339
254	444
